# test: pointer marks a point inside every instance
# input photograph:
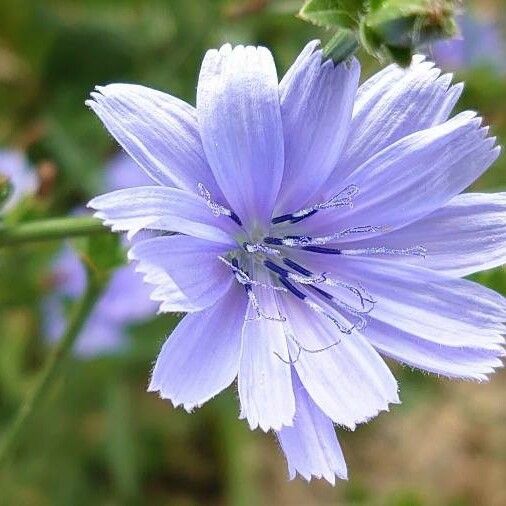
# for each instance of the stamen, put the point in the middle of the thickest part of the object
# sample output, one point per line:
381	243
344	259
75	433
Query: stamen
303	280
296	267
259	248
302	348
292	289
216	208
324	251
244	278
342	199
382	250
301	240
273	240
323	278
337	305
317	309
360	292
256	306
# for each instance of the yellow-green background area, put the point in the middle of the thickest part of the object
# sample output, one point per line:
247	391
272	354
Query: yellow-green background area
100	438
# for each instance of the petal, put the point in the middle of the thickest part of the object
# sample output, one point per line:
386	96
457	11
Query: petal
413	177
432	306
265	384
127	298
100	336
451	361
22	178
467	235
343	374
393	104
201	356
123	172
192	264
310	446
158	131
165	209
316	104
240	124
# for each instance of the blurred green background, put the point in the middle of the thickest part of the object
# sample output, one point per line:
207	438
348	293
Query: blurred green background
100	438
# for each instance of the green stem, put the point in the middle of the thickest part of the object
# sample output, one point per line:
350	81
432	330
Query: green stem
52	228
53	366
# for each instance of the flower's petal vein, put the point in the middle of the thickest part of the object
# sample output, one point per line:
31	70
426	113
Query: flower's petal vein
163	209
201	356
240	124
348	381
264	382
316	105
413	177
160	132
465	236
191	264
311	447
393	104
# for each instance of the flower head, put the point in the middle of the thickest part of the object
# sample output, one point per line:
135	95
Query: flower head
307	227
17	175
124	302
479	43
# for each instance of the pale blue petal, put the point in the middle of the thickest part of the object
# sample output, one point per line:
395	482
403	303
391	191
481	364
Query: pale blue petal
123	172
348	381
127	298
192	264
201	356
265	384
393	104
317	99
164	209
158	131
452	361
240	124
413	177
310	446
427	304
467	235
23	179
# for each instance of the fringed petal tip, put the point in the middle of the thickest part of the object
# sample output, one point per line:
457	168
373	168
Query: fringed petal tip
189	407
255	424
329	477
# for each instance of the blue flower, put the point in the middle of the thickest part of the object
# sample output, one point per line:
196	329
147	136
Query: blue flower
479	42
124	302
23	181
307	227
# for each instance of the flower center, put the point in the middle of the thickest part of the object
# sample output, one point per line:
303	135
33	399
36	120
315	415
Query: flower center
276	262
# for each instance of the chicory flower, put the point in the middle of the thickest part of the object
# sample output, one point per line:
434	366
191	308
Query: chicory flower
125	301
308	227
17	176
479	43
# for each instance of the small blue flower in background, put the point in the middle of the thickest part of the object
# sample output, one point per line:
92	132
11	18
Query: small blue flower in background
22	179
308	227
126	299
480	42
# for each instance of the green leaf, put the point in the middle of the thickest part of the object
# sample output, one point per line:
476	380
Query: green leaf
330	13
402	23
102	254
341	46
395	28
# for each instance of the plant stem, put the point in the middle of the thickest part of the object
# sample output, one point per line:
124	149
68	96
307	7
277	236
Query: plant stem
52	228
53	366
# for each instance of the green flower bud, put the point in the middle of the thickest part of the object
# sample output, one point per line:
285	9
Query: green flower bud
396	27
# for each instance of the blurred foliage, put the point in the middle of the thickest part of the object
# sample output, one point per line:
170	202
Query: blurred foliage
387	29
100	438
